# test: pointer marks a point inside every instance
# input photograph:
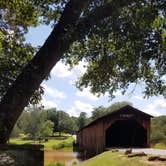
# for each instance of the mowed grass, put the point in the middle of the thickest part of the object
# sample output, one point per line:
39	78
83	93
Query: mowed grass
20	141
160	146
53	144
64	145
113	159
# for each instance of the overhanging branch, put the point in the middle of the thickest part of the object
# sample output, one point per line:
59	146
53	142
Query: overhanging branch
98	14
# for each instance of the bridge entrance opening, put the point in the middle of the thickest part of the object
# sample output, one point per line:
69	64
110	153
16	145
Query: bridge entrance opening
126	133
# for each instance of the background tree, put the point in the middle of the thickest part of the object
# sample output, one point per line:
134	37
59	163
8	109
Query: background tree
98	112
35	123
82	120
158	130
52	115
118	105
64	122
36	120
101	111
122	41
46	128
74	125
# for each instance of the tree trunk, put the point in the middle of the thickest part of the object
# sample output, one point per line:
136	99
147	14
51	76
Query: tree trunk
69	28
58	42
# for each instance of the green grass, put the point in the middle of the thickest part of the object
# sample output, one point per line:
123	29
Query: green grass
113	159
63	145
55	164
160	146
20	141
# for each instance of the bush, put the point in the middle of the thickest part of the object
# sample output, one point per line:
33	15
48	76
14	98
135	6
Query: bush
160	146
62	145
59	146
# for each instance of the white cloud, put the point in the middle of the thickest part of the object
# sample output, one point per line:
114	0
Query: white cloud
164	77
53	92
157	107
138	97
48	103
87	94
80	106
63	71
117	93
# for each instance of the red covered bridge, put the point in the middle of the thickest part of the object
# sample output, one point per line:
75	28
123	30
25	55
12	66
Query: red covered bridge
126	127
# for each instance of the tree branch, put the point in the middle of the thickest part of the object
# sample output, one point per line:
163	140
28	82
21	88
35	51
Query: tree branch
98	14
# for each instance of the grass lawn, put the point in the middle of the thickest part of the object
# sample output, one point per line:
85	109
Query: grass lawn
20	141
160	146
113	159
63	145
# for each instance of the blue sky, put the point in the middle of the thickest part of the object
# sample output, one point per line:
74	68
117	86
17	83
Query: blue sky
61	93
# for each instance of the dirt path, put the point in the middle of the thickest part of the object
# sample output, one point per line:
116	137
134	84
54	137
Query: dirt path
151	151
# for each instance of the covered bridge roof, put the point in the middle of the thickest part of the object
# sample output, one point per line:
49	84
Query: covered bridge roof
118	111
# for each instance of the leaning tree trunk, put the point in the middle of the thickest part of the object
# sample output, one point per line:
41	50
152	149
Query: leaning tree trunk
17	97
69	28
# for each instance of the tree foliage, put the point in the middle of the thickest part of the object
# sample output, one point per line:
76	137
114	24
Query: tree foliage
158	130
118	105
101	111
129	47
98	112
46	128
15	19
37	122
82	120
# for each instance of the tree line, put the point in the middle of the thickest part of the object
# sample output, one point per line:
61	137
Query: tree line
39	122
158	130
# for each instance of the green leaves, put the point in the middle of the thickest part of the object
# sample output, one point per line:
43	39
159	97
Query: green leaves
15	19
126	47
125	44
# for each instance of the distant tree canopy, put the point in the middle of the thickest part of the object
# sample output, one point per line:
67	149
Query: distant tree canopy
158	130
122	41
118	105
98	112
37	122
101	111
82	120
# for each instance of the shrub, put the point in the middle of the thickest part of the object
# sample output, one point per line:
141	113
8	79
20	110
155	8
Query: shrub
62	145
59	146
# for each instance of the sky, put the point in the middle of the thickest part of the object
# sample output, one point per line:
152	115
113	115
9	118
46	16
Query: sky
61	93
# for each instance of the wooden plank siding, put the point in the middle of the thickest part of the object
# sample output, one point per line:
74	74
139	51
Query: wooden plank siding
92	138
